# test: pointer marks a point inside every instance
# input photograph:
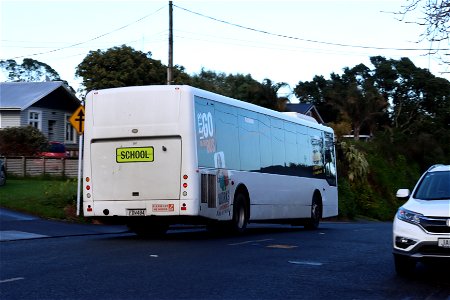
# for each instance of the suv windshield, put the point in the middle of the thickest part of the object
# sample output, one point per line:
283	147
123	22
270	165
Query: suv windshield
434	186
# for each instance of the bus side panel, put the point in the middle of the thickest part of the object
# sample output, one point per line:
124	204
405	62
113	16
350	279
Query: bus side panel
330	203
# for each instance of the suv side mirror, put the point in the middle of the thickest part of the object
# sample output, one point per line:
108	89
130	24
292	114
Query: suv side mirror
403	193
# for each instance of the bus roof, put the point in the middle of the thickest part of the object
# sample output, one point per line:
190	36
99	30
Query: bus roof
223	99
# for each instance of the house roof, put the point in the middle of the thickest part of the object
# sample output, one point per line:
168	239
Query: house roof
302	108
305	109
21	95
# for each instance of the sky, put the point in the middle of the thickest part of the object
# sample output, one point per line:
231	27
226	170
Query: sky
284	41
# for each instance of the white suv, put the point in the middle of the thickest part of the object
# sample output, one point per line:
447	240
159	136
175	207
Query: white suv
422	225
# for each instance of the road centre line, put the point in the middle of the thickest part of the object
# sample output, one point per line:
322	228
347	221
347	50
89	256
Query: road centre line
11	279
307	263
249	242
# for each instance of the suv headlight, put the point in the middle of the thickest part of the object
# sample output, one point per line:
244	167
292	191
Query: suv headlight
408	216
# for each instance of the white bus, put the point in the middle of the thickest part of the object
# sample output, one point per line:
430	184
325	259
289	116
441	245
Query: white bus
159	155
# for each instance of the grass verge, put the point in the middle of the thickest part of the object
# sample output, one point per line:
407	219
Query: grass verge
46	198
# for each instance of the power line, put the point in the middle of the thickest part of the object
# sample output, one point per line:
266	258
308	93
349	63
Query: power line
303	39
93	39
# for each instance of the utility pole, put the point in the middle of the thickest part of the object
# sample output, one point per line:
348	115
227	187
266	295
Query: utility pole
170	64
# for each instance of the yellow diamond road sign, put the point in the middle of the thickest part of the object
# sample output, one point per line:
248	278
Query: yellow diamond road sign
77	120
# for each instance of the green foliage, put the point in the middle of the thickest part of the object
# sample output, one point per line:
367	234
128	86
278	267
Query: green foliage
21	141
61	193
52	199
374	197
242	87
119	67
29	70
356	165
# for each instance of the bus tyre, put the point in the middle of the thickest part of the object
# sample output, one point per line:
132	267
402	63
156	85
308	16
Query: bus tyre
316	213
240	214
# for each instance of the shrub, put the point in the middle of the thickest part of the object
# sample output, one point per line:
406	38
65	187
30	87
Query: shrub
21	141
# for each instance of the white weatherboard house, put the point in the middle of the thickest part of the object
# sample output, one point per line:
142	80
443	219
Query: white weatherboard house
44	105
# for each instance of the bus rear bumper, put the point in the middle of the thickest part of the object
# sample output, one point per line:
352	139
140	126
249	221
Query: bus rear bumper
140	208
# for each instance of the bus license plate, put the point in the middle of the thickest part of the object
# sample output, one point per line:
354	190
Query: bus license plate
134	154
445	243
135	212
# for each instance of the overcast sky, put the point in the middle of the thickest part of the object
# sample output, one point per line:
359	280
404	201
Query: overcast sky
285	41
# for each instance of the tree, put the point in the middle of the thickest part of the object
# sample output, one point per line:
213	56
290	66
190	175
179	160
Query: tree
319	92
265	94
242	87
119	67
21	141
30	70
351	98
436	20
416	96
362	103
420	109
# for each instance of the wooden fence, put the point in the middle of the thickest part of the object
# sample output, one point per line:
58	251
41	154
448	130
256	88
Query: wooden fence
32	166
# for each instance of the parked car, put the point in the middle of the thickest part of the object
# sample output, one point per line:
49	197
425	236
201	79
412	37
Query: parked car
2	173
56	150
421	229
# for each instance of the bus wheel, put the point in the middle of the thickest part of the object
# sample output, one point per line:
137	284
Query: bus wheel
240	215
316	213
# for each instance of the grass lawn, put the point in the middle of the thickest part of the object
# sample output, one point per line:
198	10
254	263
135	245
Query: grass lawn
47	198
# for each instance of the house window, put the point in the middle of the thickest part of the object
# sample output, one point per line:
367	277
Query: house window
35	119
70	131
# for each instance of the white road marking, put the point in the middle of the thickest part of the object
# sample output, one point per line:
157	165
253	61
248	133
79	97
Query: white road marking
307	263
279	246
250	242
11	279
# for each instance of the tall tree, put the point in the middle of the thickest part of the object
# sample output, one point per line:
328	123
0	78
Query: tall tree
436	20
119	67
29	70
242	87
348	99
415	94
362	103
320	92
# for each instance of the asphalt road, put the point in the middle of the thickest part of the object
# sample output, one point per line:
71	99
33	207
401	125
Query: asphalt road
338	261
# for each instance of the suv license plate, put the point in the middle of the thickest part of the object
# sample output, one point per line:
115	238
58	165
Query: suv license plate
445	243
135	212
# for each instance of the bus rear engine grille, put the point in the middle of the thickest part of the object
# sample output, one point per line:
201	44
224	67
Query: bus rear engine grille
208	189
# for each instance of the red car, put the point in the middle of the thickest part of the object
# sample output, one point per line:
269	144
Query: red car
56	150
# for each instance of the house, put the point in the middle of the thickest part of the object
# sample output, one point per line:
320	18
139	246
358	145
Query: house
44	105
305	109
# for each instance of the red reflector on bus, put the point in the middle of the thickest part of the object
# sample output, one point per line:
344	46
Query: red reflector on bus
88	187
185	185
185	177
89	208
